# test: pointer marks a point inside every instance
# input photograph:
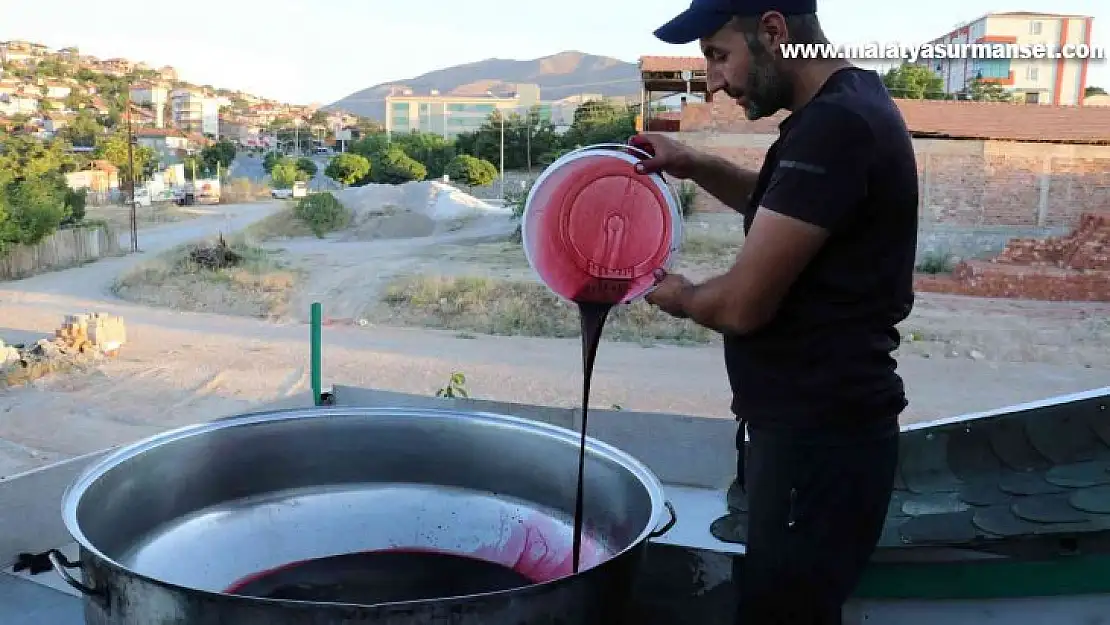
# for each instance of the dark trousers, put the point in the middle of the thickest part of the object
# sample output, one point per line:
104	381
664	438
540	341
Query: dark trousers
816	509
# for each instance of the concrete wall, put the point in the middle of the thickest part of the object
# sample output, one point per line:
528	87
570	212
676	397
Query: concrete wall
975	195
64	248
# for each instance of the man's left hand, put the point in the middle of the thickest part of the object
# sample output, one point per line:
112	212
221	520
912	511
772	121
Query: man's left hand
671	292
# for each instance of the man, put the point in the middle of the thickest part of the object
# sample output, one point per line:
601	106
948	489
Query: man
808	311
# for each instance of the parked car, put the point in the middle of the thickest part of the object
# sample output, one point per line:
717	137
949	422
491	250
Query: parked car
142	197
281	194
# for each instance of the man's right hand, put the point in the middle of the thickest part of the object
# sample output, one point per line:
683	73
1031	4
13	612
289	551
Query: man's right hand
667	155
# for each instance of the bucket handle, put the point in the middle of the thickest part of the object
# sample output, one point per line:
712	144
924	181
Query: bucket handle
666	527
61	565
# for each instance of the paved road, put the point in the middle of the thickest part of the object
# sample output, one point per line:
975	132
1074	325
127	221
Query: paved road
250	167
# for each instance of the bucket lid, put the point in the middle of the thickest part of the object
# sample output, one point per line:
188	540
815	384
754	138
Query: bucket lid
595	230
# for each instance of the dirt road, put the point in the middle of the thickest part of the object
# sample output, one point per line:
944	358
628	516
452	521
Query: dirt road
180	368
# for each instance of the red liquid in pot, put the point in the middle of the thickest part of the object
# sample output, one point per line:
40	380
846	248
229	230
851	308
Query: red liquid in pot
374	577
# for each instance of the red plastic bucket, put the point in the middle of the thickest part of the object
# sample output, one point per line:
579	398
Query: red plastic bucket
595	231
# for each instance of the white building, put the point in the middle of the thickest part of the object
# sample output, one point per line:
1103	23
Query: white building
153	96
1033	81
195	112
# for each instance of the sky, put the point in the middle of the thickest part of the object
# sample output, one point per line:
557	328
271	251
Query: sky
284	49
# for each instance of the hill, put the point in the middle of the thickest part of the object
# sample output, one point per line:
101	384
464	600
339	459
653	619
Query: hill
559	76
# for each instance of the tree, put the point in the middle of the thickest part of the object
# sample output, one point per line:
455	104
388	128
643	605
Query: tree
600	121
471	171
393	166
348	168
218	156
84	130
982	91
285	173
429	149
113	149
269	160
307	166
1090	91
911	81
370	144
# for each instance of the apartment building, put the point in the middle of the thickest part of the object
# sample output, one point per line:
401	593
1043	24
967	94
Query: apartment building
451	115
153	97
20	52
194	111
1033	81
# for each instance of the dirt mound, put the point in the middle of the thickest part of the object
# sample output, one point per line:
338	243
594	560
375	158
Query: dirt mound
397	225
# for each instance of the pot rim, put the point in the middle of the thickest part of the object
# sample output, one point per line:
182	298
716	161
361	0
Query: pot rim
75	492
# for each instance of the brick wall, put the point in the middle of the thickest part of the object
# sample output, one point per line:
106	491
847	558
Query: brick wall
971	184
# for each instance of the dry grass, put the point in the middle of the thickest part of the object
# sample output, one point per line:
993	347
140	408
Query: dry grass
260	286
280	225
154	215
515	308
242	190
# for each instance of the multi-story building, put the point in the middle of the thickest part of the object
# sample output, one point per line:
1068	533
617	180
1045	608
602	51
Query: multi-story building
194	111
20	52
1032	80
154	97
451	115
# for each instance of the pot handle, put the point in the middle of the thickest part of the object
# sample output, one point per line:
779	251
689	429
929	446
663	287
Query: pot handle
61	564
669	524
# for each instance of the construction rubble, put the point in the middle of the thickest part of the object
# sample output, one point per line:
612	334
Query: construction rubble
81	339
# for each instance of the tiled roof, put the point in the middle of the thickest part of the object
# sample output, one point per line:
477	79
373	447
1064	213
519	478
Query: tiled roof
942	119
671	63
1014	122
996	483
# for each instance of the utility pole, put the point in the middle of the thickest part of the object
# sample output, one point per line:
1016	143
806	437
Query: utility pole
502	114
131	169
528	134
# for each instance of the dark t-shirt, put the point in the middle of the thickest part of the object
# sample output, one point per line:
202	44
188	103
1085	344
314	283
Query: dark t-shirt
844	162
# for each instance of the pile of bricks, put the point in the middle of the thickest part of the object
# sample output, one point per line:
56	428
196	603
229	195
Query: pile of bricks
80	340
1088	247
1075	267
98	332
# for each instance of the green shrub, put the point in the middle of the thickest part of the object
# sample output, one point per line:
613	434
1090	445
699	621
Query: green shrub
687	197
348	168
393	166
323	213
308	166
75	205
471	171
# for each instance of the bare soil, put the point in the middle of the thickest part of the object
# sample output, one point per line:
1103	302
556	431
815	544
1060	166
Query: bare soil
961	354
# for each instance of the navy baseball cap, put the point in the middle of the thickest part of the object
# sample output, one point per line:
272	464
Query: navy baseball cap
705	17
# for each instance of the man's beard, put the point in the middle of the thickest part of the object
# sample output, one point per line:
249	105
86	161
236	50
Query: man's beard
767	90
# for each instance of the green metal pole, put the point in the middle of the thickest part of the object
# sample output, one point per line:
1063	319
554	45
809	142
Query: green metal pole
316	324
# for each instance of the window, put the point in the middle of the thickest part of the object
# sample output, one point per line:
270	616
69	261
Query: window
1035	28
1033	97
1032	73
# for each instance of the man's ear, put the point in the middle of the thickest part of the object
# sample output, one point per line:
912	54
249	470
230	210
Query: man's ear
773	31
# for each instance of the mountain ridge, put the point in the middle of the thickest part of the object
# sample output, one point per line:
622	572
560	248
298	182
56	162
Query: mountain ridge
559	75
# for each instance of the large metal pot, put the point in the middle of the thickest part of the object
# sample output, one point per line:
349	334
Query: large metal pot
168	525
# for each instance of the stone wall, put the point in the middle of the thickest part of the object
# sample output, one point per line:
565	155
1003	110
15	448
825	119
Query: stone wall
975	195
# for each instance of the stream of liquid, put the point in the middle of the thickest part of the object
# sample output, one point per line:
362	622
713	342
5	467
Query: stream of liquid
592	316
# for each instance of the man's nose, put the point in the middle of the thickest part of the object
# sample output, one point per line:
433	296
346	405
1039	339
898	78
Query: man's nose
714	80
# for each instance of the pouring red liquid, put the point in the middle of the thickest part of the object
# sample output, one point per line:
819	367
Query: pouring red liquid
596	231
